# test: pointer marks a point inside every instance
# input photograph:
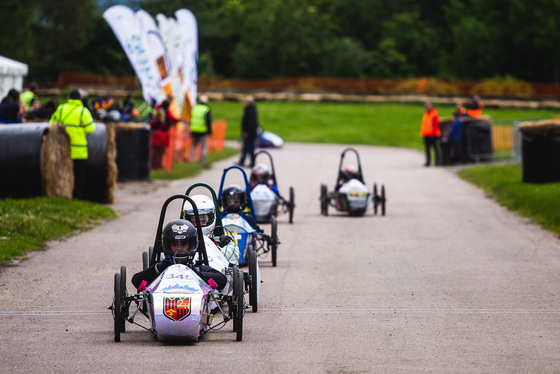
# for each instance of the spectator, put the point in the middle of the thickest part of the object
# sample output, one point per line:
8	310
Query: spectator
128	110
201	128
160	138
430	133
474	108
79	122
453	136
27	97
46	111
11	108
249	131
31	113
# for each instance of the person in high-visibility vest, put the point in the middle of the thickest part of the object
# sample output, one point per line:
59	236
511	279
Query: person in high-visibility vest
474	108
78	122
201	128
30	95
430	133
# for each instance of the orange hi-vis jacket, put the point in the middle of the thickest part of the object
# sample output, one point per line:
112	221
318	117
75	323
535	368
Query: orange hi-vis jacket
475	110
430	124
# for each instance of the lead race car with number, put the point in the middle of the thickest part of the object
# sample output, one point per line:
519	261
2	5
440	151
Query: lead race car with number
350	193
179	303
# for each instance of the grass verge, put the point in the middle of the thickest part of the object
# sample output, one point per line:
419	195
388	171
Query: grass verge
26	224
539	202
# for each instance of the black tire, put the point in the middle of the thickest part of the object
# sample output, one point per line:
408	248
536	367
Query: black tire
383	200
117	308
123	295
238	303
274	239
324	200
375	199
292	204
145	260
253	286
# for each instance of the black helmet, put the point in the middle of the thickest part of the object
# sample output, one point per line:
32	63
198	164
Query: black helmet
234	199
181	232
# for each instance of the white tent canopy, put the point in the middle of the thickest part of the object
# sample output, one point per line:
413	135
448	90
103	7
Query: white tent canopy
11	75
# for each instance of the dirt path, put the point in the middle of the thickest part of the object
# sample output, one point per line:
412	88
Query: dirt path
448	281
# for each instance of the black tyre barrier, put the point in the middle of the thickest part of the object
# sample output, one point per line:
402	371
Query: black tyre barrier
20	159
133	152
540	152
26	171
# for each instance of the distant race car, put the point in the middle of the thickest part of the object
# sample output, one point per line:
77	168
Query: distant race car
239	220
267	200
350	193
179	304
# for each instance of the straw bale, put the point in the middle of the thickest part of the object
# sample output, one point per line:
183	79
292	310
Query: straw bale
57	171
542	128
112	172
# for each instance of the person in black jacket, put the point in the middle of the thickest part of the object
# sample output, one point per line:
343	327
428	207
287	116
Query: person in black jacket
180	242
10	108
249	130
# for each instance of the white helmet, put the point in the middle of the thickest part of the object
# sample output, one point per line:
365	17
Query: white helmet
206	212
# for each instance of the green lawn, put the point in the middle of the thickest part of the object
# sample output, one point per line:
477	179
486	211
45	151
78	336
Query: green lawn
387	124
26	224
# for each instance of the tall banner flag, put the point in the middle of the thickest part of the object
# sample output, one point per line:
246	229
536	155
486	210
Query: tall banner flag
172	40
124	23
186	22
158	54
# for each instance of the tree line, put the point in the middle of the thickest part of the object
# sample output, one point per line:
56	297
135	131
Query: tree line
259	39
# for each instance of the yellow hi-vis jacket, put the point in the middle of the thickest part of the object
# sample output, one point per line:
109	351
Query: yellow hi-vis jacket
198	119
78	122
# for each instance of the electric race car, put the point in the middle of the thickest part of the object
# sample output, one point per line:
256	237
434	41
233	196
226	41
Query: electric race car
351	194
239	220
179	304
267	201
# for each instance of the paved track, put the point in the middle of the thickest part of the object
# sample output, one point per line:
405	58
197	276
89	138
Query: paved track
448	281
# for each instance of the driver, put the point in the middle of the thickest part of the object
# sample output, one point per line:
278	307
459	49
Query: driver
179	235
348	173
234	200
261	175
207	216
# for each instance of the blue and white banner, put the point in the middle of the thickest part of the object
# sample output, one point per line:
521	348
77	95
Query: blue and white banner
125	25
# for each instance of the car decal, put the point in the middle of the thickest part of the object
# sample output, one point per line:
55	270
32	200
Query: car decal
177	308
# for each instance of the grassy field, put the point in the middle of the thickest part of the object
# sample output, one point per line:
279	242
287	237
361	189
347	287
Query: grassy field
387	124
26	224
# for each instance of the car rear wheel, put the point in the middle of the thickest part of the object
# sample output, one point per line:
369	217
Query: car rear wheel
238	303
274	239
253	286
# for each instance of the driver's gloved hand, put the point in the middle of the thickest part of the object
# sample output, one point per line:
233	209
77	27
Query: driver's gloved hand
163	264
224	240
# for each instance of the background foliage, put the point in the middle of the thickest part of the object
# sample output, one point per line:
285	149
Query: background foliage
459	39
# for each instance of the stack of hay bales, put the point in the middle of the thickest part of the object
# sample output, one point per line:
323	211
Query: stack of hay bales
540	151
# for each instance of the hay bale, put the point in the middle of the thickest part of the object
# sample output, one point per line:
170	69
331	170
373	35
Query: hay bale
112	171
541	128
57	169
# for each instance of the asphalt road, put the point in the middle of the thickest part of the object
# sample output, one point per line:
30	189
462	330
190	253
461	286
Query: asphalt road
447	281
